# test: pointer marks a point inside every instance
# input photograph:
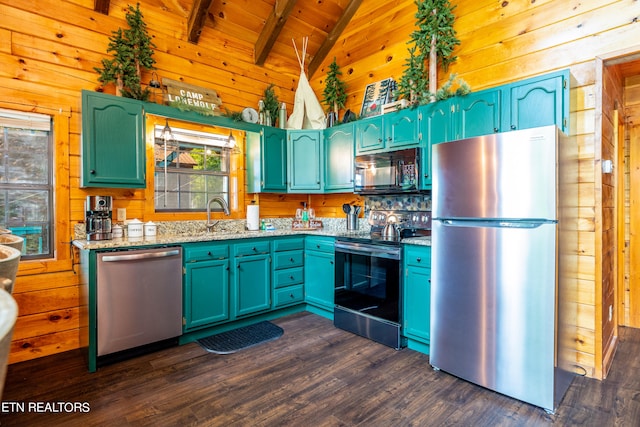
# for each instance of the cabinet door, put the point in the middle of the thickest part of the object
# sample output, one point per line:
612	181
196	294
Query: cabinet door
478	114
319	280
252	284
338	158
305	154
113	147
401	129
274	159
540	101
206	293
435	123
417	303
369	135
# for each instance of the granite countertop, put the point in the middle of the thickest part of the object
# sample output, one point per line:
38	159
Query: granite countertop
189	232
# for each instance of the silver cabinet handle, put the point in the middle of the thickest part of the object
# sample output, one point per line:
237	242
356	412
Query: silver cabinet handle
139	256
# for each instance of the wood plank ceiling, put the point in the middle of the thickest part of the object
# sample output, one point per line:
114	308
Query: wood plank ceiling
270	25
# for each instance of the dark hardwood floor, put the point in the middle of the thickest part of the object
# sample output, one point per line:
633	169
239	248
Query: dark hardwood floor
314	375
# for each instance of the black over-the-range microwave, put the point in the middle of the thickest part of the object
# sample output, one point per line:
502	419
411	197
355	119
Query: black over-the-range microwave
388	173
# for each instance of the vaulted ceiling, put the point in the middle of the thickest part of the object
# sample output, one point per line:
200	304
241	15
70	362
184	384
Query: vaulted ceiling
267	26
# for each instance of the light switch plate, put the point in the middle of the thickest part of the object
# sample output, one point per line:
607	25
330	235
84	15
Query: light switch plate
121	214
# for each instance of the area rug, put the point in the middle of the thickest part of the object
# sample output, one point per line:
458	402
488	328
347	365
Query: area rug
238	339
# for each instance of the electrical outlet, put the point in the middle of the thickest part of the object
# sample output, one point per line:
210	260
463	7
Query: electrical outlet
121	214
610	313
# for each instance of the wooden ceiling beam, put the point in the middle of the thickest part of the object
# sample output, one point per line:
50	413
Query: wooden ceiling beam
271	30
101	6
333	36
197	18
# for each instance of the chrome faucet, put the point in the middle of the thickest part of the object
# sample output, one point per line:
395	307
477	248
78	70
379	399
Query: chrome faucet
225	208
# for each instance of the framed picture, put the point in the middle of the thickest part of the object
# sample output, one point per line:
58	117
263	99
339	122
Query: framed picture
375	96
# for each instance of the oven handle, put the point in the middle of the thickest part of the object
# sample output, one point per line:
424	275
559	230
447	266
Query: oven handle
367	250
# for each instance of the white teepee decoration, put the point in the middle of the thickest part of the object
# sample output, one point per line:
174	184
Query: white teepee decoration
307	111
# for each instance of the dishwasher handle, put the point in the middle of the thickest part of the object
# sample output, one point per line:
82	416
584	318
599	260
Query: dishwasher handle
139	256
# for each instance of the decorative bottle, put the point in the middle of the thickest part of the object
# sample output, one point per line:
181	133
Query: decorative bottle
261	114
282	118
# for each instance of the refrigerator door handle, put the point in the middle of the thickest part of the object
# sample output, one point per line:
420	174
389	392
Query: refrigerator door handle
526	224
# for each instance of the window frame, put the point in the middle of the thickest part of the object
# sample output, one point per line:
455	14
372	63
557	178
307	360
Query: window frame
236	171
40	123
62	255
200	142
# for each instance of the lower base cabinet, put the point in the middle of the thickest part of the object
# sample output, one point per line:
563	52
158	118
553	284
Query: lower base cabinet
417	296
319	272
206	285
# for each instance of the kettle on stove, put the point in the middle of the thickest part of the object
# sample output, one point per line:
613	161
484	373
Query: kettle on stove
391	230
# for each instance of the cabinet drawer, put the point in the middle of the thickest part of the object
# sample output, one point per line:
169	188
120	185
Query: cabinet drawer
417	256
251	248
203	253
289	295
322	244
288	277
288	244
287	259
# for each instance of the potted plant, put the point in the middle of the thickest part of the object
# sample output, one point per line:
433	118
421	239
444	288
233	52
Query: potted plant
335	92
132	50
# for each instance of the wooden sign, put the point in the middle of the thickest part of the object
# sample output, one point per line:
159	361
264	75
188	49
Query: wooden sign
192	96
313	224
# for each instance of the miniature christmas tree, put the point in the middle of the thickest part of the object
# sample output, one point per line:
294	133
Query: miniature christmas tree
132	50
433	41
271	103
335	90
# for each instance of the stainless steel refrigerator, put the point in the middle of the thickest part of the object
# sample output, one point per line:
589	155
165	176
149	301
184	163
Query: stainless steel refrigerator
494	308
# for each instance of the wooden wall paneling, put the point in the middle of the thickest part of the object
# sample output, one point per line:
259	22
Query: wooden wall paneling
634	213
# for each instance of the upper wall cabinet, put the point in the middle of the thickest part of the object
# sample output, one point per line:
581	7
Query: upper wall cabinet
267	161
338	158
113	147
539	101
388	132
304	152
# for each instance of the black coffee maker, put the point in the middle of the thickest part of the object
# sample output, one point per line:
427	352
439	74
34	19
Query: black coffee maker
98	217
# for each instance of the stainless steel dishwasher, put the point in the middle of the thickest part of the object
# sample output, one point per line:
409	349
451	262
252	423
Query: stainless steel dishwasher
139	298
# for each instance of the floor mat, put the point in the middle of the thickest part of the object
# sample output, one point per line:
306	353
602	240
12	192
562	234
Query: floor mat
241	338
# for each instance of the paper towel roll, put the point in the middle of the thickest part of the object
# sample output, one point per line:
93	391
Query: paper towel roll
253	217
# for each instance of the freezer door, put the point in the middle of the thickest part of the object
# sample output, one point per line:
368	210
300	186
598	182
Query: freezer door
505	175
493	306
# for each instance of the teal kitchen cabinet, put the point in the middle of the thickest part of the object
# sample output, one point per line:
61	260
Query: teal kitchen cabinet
288	271
206	285
369	135
251	277
388	132
539	101
113	144
304	151
338	158
319	271
435	124
401	129
417	296
267	161
477	114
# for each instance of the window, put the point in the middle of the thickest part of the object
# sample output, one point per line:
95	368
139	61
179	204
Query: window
26	180
191	167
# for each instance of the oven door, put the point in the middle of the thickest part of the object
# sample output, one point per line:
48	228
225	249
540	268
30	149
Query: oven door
368	279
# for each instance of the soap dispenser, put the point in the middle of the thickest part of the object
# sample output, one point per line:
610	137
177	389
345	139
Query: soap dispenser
305	215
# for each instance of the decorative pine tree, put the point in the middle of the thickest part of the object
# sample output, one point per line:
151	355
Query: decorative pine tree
335	90
433	41
132	50
271	103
